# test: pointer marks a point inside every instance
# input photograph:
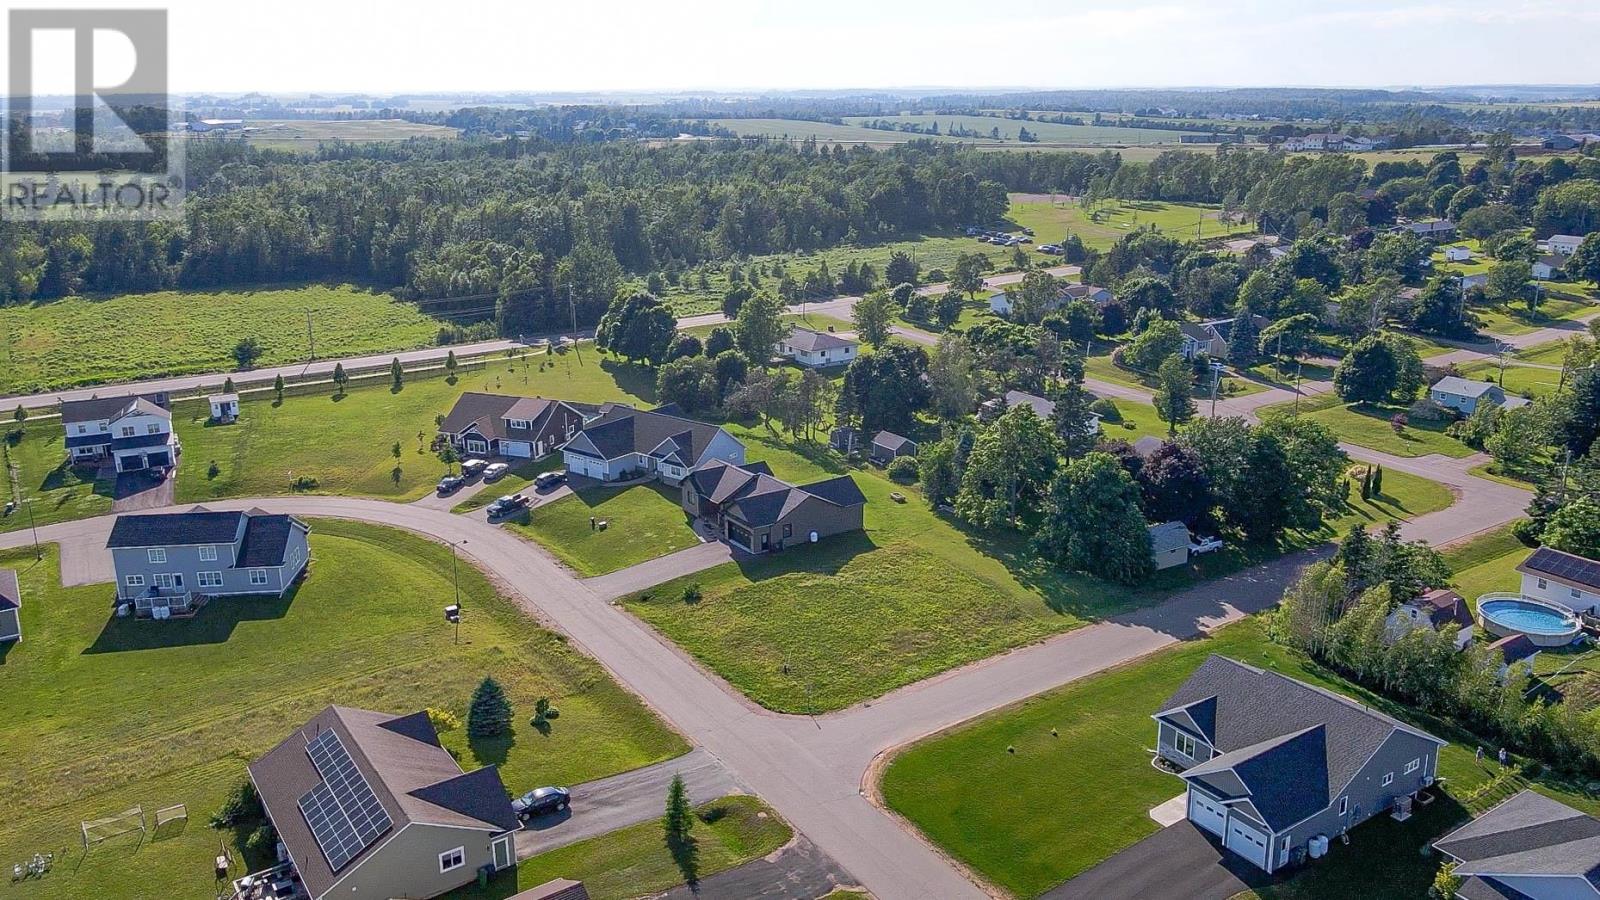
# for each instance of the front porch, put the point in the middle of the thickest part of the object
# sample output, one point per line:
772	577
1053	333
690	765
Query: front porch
281	882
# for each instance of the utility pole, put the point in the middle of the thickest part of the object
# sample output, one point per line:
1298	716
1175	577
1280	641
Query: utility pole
573	306
1216	377
38	552
311	339
1297	367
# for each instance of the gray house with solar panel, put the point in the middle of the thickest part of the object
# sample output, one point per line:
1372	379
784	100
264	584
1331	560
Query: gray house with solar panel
369	804
171	564
1275	766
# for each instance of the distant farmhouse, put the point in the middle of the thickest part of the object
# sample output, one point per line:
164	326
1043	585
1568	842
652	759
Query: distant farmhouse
758	513
133	433
1000	303
816	349
1334	143
1431	229
623	443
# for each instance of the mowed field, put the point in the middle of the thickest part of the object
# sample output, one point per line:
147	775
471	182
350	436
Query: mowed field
81	341
1105	224
1046	131
305	134
101	714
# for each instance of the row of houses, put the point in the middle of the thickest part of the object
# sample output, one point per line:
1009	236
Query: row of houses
1334	143
1001	303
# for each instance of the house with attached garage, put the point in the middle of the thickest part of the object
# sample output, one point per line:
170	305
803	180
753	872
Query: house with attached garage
753	510
816	349
1273	764
1529	847
171	564
10	606
369	804
133	432
624	443
514	427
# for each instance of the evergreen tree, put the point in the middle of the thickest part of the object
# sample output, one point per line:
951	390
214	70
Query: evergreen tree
277	388
340	379
679	820
450	364
490	712
227	385
1366	483
1242	341
397	375
1377	482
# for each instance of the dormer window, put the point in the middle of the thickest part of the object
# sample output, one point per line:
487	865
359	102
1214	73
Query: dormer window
521	424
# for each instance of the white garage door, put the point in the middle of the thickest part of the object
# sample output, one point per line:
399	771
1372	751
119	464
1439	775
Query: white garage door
516	448
1247	842
1206	814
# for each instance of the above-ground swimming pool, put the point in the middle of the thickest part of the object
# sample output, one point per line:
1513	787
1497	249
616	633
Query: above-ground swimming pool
1545	624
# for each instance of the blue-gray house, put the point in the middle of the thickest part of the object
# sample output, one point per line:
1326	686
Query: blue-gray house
172	563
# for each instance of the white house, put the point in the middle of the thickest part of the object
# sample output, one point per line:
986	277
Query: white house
816	349
624	443
133	432
1435	229
1564	244
1169	544
224	407
1435	609
1458	254
1548	268
1565	579
1001	303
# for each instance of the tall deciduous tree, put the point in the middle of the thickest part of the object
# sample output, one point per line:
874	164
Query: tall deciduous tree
759	327
953	377
1174	399
1010	464
1367	373
637	327
1093	523
873	314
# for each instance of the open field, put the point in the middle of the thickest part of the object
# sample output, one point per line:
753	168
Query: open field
1079	783
43	346
1551	354
642	522
1522	381
1048	132
1104	225
1515	319
799	129
1369	426
304	134
101	714
635	861
785	629
37	452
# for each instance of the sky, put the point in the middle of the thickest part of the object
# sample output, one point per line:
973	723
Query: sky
743	45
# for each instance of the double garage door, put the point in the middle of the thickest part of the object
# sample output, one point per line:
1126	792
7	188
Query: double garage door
1236	835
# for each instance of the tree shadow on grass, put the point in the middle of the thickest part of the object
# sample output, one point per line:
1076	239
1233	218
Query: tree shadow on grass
634	379
212	625
685	852
818	454
827	557
493	751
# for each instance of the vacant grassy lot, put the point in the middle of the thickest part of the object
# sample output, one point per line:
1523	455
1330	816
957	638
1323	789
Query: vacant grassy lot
46	345
1551	354
1404	496
1079	785
636	862
101	714
1105	224
1487	563
1369	426
1520	381
36	454
1515	319
642	522
348	444
1103	368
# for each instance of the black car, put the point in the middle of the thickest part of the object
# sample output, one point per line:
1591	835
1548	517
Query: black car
549	480
450	484
541	801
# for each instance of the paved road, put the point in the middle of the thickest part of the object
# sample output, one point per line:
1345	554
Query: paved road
662	569
817	772
605	805
798	871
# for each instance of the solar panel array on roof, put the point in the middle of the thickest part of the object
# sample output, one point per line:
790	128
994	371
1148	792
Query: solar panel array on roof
1572	568
343	812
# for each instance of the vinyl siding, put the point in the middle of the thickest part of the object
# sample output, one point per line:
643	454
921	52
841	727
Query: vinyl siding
1167	748
408	865
10	624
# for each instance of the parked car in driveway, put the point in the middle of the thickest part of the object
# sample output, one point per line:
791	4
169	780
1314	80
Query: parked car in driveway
1204	545
450	484
541	801
548	480
472	468
505	506
494	471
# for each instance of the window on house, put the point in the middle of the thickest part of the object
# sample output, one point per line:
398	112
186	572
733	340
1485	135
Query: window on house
1388	778
83	429
1543	584
258	577
157	555
788	530
209	579
1344	805
208	554
164	580
1184	744
127	431
1576	594
1412	766
452	859
134	581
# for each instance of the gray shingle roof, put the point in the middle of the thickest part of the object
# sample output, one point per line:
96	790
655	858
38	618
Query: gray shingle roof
198	526
1286	776
10	590
98	409
808	341
141	440
1529	834
414	779
1041	407
266	539
1168	536
1462	387
621	430
891	441
1256	709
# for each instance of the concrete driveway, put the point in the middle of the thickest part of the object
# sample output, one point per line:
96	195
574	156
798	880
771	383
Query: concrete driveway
1179	862
136	491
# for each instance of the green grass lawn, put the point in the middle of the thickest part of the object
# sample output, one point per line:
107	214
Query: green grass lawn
1079	783
1551	354
1486	564
100	714
347	444
643	522
1369	426
1103	226
636	861
42	345
1404	496
1137	420
1516	319
37	453
1103	368
1520	381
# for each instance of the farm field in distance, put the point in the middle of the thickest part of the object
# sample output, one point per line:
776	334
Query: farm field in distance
101	714
306	134
1105	224
44	346
1046	131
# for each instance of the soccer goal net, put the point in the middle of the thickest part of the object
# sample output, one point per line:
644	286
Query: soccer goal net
96	831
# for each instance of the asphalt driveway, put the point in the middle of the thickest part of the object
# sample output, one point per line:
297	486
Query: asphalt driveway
1179	862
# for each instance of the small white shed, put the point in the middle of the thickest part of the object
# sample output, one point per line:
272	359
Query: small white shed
1169	544
224	407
